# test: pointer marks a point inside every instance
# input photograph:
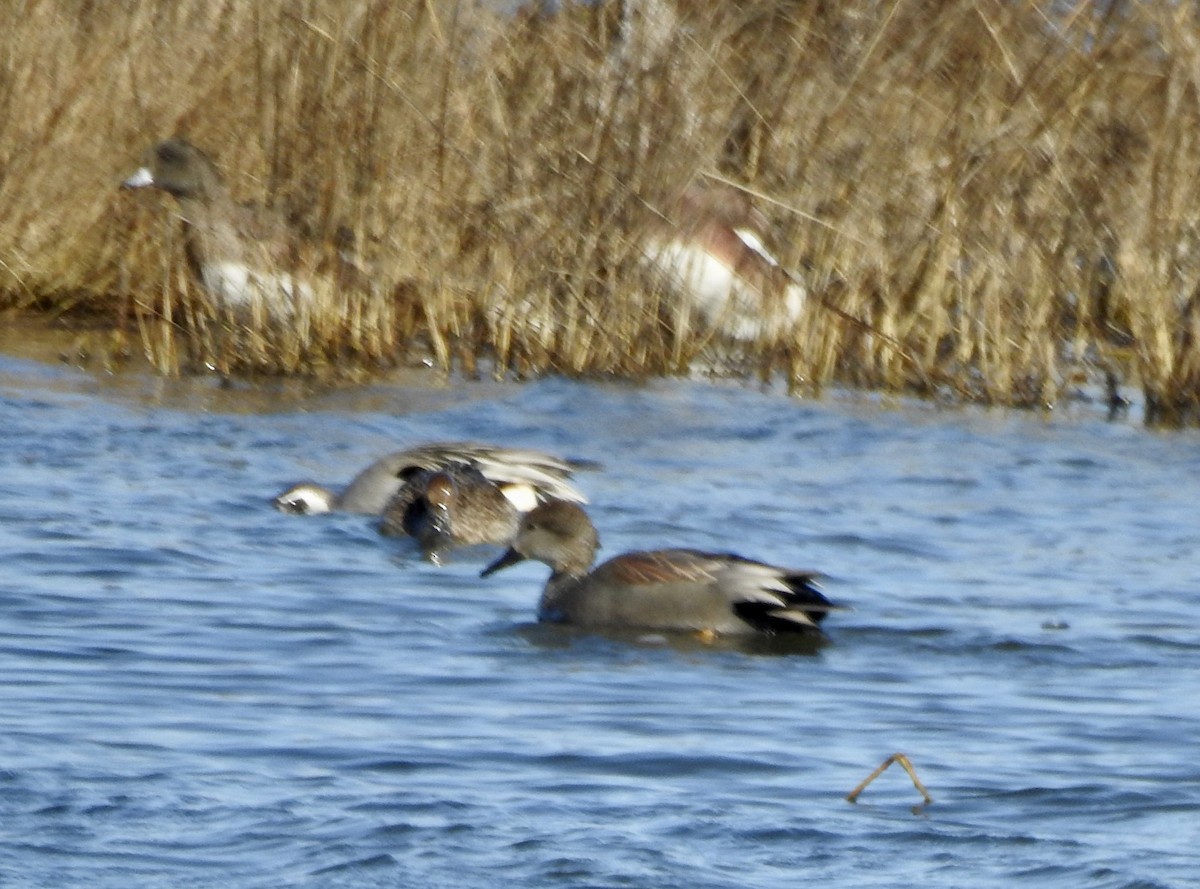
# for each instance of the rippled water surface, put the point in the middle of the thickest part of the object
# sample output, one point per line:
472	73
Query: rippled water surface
198	691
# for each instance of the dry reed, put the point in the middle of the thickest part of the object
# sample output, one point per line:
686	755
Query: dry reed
986	198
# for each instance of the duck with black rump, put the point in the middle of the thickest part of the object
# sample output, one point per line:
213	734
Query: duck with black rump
710	594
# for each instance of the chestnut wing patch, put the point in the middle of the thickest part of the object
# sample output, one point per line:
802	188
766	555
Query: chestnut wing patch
662	566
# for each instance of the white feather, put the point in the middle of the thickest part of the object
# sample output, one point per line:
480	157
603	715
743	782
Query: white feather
754	242
522	497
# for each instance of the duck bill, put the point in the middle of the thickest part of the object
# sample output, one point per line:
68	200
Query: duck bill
143	178
509	558
291	507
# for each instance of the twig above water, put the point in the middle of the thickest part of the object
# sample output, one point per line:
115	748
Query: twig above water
906	763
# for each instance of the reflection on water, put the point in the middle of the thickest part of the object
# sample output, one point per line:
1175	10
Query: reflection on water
554	636
200	691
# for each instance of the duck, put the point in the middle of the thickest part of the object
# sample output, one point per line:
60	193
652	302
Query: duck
244	256
524	476
709	246
686	590
451	507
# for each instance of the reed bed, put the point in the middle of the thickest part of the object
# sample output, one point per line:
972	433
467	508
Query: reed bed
987	199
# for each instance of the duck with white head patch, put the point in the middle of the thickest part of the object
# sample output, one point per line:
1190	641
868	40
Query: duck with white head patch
245	257
525	476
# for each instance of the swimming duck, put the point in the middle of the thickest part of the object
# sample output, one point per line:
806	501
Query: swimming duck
450	507
525	477
669	589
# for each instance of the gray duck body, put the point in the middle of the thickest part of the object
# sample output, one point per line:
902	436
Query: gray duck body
524	475
667	589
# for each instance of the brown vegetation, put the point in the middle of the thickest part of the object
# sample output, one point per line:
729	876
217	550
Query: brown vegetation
992	194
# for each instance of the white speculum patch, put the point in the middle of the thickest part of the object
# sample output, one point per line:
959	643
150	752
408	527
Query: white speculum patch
522	497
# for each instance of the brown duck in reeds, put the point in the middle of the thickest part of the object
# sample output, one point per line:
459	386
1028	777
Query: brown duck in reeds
246	257
669	589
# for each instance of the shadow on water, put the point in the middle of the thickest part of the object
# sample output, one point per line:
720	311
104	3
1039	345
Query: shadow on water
404	389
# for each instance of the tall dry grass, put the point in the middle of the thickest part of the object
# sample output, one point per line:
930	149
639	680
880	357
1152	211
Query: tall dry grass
985	198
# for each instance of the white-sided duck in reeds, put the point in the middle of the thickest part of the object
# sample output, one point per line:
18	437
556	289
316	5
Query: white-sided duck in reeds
709	244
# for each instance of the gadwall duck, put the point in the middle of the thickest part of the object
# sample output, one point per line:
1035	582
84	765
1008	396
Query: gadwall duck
451	507
670	589
244	256
526	477
709	245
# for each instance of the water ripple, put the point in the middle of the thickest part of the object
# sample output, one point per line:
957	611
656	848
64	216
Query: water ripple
199	691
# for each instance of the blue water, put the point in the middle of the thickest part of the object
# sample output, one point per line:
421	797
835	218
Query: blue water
197	691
